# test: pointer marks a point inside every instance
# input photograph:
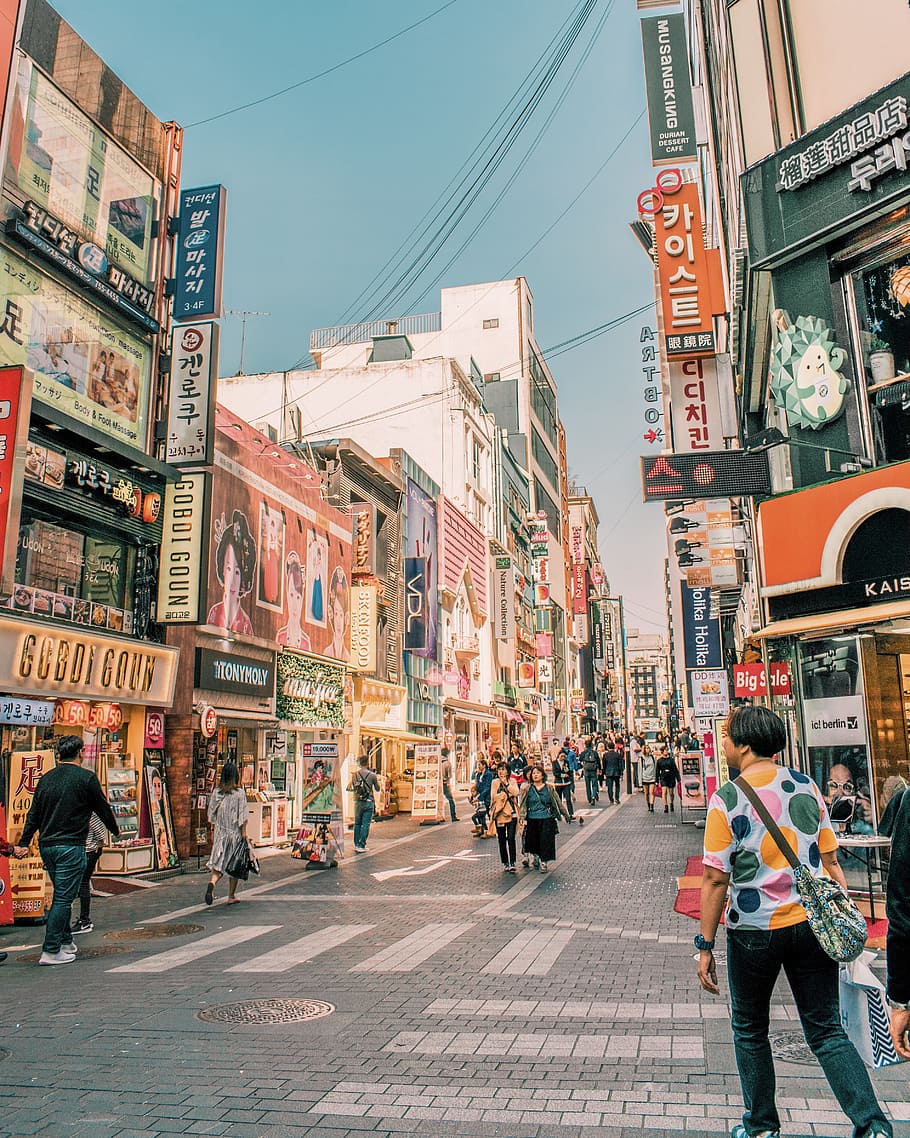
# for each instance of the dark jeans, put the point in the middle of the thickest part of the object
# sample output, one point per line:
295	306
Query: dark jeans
613	781
363	816
565	792
65	864
591	786
506	835
481	813
754	961
447	791
85	886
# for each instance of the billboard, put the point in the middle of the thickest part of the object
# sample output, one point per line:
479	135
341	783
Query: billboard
191	394
701	632
504	599
695	405
421	565
200	253
60	159
15	403
181	571
669	89
279	558
86	364
724	473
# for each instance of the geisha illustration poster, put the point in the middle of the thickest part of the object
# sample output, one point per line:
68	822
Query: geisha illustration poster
279	556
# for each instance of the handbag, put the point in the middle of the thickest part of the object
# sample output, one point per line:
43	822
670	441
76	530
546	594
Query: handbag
864	1014
838	926
237	863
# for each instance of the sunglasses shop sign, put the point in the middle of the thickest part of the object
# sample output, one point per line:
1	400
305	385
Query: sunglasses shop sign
835	722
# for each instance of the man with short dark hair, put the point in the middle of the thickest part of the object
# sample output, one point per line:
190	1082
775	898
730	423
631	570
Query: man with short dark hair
364	784
445	776
590	764
65	799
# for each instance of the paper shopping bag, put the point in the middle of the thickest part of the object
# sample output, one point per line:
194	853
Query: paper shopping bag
864	1013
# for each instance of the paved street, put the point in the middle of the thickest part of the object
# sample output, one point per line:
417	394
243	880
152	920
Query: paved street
467	1002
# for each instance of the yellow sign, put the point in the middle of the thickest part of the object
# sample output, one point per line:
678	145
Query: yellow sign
38	657
363	628
27	877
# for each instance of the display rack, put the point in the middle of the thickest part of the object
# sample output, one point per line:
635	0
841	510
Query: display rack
127	853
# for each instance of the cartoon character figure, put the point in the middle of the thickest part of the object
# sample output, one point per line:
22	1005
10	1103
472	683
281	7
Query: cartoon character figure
805	371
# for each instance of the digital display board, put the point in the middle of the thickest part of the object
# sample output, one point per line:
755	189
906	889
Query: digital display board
733	473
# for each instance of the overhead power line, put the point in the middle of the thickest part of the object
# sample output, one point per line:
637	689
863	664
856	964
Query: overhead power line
321	74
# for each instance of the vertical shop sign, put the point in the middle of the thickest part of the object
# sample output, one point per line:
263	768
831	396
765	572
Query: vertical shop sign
182	570
579	589
200	253
15	404
650	369
191	394
504	599
695	405
363	628
416	622
669	89
701	632
597	632
363	555
27	877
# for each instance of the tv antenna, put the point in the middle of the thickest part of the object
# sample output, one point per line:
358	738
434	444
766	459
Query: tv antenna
244	314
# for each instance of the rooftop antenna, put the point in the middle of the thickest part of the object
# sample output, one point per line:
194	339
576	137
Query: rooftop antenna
244	314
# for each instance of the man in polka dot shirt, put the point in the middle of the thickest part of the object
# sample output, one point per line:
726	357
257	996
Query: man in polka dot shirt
767	929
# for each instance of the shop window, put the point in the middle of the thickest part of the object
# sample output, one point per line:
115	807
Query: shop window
881	296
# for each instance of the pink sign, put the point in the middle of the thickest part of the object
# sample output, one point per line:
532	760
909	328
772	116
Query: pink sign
154	729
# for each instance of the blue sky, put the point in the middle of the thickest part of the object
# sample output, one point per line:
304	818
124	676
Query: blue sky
325	182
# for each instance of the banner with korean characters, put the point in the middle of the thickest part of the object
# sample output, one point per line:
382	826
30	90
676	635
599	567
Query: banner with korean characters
15	405
191	394
200	253
427	800
28	880
695	405
710	693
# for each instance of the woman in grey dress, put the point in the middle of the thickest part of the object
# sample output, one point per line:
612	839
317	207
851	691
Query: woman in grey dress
228	813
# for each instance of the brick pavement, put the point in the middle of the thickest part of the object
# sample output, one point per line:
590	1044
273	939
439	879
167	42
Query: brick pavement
614	1038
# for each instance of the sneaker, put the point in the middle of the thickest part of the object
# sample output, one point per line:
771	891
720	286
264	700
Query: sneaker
60	957
360	849
71	948
525	863
537	863
3	956
209	893
81	926
544	868
511	869
581	821
739	1131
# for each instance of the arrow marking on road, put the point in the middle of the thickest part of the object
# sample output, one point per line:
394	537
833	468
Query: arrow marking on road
434	864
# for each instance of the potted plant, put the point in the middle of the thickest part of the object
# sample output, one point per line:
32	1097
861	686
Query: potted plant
881	360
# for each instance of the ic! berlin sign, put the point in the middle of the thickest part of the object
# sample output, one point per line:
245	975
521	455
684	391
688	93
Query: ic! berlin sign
504	599
725	473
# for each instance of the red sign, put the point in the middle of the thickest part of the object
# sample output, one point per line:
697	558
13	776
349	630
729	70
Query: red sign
154	729
6	896
80	713
208	721
749	680
780	677
13	401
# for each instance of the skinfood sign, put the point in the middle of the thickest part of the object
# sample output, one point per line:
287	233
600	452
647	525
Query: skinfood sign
56	662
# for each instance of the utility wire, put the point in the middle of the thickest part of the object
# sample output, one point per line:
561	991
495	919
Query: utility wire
322	74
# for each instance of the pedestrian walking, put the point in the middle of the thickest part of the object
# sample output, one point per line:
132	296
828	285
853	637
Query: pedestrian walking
563	783
64	801
897	910
669	777
741	856
504	814
445	774
590	765
538	810
94	844
480	797
364	786
647	768
636	746
613	765
228	813
518	763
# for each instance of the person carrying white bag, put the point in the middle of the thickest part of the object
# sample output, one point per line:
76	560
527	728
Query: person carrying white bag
897	909
864	1013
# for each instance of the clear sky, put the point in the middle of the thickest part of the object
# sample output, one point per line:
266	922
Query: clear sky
326	181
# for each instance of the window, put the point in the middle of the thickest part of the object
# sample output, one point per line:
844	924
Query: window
476	460
492	377
493	322
545	502
544	459
543	397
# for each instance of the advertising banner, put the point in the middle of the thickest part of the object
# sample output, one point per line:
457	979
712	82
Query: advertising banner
364	616
427	801
780	677
15	403
159	815
669	89
61	160
835	722
279	557
749	680
191	394
692	789
725	473
421	574
695	405
27	877
200	253
309	691
85	363
701	632
182	572
504	599
710	693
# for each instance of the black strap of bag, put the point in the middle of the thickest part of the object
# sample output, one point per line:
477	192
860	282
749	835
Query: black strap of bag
770	825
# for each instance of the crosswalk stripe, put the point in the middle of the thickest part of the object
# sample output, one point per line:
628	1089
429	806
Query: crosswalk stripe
533	952
174	957
405	955
283	959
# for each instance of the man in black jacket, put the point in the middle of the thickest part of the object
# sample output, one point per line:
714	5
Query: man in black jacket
613	767
898	913
64	801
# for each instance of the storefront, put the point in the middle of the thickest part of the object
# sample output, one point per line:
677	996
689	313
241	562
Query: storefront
380	733
107	689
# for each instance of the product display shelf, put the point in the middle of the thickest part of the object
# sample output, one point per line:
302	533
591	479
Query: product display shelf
127	853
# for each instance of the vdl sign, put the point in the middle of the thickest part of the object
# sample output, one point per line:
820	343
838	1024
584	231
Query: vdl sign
416	624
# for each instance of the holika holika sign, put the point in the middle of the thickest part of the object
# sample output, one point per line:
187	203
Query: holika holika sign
309	691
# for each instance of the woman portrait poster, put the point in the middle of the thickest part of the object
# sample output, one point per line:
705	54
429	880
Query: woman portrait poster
292	634
271	557
317	556
235	568
339	615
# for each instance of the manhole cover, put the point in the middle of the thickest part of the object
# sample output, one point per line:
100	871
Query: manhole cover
150	932
267	1011
84	953
791	1047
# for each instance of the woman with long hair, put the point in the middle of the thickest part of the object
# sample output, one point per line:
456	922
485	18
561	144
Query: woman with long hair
228	812
538	810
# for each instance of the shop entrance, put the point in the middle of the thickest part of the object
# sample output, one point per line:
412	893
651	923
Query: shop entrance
887	661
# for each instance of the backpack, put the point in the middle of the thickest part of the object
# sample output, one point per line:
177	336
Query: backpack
361	788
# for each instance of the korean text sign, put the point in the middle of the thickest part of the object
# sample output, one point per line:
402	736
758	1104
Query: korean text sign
200	253
191	394
669	89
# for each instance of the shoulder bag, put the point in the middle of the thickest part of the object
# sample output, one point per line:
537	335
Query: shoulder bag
839	927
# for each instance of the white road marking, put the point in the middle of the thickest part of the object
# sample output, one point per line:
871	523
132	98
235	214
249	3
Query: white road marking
434	864
533	952
405	955
283	959
187	953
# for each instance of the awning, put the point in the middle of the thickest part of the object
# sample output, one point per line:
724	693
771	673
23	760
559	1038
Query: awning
509	714
382	732
468	710
827	621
